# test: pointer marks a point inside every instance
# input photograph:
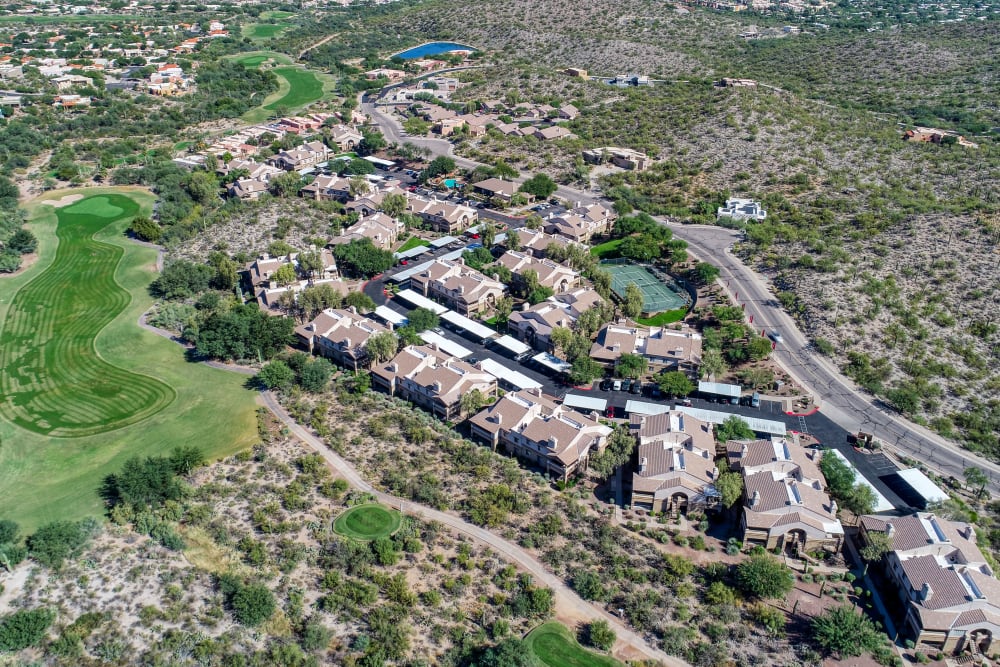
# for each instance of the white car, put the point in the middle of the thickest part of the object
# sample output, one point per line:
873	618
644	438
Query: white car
776	337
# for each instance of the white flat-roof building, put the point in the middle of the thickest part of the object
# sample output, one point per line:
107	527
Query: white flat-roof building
742	209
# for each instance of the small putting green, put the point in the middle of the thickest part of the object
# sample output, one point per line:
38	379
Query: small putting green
553	645
368	522
253	59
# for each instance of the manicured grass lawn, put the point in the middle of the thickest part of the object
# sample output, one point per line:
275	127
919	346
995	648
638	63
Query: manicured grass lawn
276	14
367	522
666	317
264	30
607	249
255	58
413	242
53	381
553	645
304	88
45	478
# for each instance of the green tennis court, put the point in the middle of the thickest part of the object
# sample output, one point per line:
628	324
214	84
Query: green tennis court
656	295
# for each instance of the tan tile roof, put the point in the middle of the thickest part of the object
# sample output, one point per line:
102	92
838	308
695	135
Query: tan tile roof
550	274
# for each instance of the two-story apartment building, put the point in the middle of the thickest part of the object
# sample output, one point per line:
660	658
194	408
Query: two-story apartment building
664	348
950	596
307	155
433	380
537	429
677	470
328	188
442	216
549	274
534	324
262	269
581	223
381	229
536	243
784	502
460	287
340	335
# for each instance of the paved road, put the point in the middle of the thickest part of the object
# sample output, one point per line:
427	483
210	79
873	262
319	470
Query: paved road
565	597
839	398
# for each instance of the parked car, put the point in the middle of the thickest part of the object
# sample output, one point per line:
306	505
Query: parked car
755	400
626	385
687	403
655	392
636	387
606	384
616	385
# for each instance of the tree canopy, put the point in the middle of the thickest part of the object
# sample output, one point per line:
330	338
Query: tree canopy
540	185
360	258
763	576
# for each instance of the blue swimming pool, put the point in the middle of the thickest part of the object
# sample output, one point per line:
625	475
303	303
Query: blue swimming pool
432	49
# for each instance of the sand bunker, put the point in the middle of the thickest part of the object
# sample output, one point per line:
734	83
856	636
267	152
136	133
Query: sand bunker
65	201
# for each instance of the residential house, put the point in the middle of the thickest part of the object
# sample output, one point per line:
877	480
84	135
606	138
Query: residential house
568	112
741	209
935	136
271	296
381	229
262	269
949	594
344	137
340	335
385	73
677	471
442	216
448	126
623	158
247	189
536	428
727	82
328	188
550	274
665	349
257	171
553	132
433	380
70	101
460	287
496	188
576	227
785	506
306	155
536	242
534	324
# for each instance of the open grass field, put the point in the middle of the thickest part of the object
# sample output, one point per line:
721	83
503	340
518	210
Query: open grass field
553	646
264	30
666	317
304	88
297	86
607	249
367	522
45	478
53	381
413	242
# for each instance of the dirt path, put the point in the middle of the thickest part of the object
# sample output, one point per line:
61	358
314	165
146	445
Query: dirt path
568	604
317	44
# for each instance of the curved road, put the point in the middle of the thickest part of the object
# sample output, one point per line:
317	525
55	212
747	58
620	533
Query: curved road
839	398
511	552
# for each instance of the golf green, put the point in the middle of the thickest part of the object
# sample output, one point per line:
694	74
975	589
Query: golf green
53	380
367	522
45	478
264	30
553	645
304	88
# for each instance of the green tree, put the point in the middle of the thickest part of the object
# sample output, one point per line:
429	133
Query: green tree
144	483
633	301
631	365
472	402
759	348
286	185
315	375
600	635
734	428
618	452
730	487
712	363
285	275
977	479
705	273
504	307
145	229
540	185
763	576
845	633
675	383
54	542
276	375
589	585
203	187
24	628
362	259
382	347
861	500
877	544
584	370
439	166
510	652
253	604
9	531
314	299
361	301
422	319
394	204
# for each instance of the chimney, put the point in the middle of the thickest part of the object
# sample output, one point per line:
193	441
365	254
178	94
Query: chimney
642	464
437	386
926	592
755	499
353	309
889	529
553	442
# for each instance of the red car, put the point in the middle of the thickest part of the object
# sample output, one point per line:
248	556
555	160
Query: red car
475	236
404	262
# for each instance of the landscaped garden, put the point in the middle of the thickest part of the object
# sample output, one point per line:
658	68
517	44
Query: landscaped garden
554	646
367	522
85	387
